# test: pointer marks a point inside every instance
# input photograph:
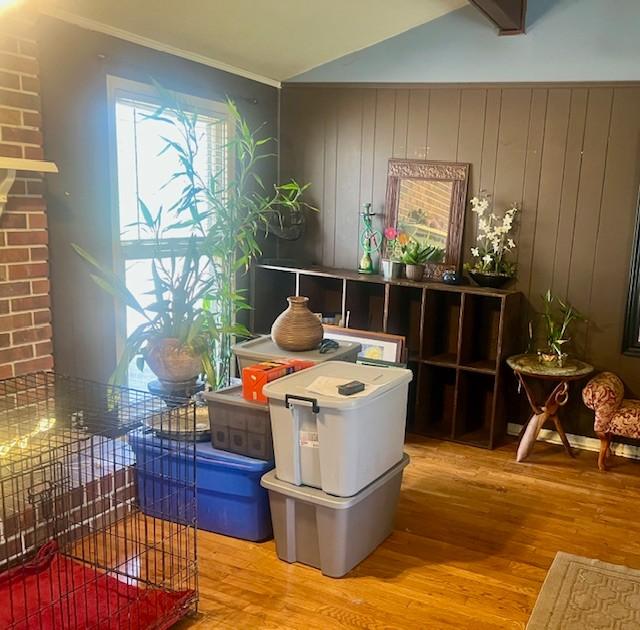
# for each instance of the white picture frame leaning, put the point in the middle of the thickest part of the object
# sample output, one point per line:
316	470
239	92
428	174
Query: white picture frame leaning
375	346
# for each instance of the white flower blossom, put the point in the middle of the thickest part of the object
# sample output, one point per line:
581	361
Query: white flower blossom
511	243
487	258
475	251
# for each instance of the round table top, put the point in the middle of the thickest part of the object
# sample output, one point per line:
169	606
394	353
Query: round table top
528	365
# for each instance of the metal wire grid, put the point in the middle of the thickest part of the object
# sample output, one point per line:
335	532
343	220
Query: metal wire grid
79	465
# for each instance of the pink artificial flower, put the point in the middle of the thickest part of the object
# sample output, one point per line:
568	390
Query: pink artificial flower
391	233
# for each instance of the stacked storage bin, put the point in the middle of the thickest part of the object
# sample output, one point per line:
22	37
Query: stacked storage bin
339	462
230	498
241	451
264	349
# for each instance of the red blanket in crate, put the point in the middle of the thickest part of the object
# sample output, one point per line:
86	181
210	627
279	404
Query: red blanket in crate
54	592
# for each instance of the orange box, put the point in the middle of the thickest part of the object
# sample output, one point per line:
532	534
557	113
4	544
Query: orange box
255	377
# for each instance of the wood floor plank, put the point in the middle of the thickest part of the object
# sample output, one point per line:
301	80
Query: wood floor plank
475	535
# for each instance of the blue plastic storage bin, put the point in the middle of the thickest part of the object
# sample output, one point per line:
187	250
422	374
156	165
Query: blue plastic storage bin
229	498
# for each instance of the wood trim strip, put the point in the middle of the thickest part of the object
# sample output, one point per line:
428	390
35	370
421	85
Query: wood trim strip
461	86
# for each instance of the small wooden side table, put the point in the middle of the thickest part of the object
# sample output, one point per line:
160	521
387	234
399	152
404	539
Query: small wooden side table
527	366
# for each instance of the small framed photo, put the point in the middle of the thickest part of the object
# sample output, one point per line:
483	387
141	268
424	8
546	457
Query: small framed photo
375	346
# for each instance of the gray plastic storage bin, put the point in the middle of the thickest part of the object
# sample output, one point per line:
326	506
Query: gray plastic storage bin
264	349
238	425
330	533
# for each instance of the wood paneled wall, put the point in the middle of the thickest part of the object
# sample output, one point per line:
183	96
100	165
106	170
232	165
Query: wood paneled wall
569	155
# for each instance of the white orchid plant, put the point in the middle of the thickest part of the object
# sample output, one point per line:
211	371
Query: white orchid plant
494	240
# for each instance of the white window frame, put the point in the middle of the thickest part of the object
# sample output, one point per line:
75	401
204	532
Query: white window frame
117	88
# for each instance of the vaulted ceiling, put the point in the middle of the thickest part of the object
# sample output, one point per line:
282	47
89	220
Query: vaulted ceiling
270	40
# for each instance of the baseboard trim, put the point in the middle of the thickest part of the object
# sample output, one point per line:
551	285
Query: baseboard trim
581	442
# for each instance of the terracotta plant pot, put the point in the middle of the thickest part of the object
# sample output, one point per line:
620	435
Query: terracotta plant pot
491	280
414	272
171	362
297	329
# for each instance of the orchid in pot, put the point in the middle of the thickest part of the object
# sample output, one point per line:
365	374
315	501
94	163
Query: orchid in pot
395	243
491	266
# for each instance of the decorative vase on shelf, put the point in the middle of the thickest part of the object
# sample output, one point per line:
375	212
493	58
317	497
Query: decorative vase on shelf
297	329
414	272
390	268
490	280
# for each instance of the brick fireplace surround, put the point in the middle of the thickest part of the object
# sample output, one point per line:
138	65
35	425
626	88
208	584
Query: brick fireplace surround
25	315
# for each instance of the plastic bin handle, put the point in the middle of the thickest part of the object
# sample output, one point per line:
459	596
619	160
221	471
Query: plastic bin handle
313	401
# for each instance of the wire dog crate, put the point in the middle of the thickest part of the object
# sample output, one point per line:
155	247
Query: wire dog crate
94	534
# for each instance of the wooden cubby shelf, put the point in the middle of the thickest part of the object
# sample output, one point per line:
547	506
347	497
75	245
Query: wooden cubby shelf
457	338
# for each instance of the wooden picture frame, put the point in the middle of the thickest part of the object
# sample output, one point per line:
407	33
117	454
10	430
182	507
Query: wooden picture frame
388	348
455	172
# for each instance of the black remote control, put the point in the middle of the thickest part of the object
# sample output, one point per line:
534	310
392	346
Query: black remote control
350	388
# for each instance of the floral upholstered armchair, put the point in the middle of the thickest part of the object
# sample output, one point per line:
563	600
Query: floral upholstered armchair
614	415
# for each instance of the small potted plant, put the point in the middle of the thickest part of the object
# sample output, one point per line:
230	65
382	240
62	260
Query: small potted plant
557	322
416	256
490	267
394	244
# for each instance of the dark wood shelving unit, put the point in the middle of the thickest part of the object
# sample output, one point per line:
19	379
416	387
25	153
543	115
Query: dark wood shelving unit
457	339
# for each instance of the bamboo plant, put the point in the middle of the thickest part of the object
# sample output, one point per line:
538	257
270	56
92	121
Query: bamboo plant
557	322
227	213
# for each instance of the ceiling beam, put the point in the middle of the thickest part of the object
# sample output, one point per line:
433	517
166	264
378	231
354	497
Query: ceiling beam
507	15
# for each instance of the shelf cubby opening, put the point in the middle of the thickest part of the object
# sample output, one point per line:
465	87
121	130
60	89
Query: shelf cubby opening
404	315
364	305
441	327
474	408
325	294
412	397
436	400
270	290
480	332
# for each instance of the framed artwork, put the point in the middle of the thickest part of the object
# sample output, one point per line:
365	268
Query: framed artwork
375	346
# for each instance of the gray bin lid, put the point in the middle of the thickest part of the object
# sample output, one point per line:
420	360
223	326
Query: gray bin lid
233	396
265	349
295	385
317	497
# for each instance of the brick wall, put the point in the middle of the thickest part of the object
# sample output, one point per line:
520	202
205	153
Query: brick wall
25	328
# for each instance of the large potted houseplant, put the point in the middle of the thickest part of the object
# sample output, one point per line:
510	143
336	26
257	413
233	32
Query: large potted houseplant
416	255
178	332
491	266
227	213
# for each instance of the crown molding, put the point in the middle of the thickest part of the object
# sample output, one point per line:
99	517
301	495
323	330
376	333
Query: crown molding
105	29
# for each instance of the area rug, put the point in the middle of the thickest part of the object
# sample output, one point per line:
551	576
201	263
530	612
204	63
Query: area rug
583	594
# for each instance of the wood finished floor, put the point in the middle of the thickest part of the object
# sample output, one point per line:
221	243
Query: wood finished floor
475	535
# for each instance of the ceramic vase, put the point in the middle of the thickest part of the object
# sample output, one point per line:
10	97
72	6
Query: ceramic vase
171	362
390	268
414	272
297	329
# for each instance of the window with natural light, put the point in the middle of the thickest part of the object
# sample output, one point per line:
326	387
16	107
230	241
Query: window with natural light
145	172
